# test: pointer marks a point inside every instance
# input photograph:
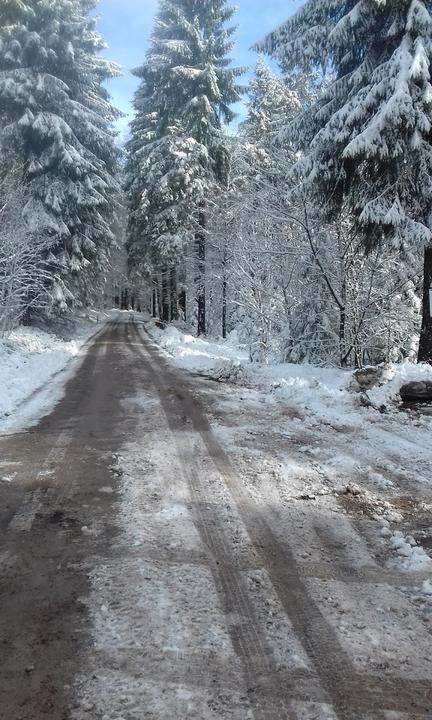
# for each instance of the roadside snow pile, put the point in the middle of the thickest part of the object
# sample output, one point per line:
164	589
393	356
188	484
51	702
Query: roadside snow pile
397	376
29	358
325	393
201	356
320	390
229	358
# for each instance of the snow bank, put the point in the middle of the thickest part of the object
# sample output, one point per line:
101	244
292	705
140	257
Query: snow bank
398	375
195	354
305	386
319	390
30	359
207	357
314	388
411	556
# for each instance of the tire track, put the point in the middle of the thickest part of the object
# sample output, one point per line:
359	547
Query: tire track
351	693
43	630
270	692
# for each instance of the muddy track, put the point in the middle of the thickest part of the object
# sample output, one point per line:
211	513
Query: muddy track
349	692
58	466
59	469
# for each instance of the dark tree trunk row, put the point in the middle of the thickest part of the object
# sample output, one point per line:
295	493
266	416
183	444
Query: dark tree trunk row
200	244
168	301
425	349
126	300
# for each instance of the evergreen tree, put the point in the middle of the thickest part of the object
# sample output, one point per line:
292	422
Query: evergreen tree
55	122
178	151
272	104
368	140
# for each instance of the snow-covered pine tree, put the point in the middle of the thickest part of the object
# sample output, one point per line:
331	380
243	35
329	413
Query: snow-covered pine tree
178	150
271	105
368	140
55	121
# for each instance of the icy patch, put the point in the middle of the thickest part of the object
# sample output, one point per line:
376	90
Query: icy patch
376	627
287	652
121	697
312	711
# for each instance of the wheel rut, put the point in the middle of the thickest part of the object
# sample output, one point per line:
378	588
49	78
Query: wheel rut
60	471
58	468
333	677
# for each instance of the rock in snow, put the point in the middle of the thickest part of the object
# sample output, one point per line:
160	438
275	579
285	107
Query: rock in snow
369	377
420	391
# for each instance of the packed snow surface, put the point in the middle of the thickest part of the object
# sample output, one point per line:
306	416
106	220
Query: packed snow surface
332	442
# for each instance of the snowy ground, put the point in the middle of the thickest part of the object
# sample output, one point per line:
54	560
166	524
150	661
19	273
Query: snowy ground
258	568
311	387
34	366
314	440
255	543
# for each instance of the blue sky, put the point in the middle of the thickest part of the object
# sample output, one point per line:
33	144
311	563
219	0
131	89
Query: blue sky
126	26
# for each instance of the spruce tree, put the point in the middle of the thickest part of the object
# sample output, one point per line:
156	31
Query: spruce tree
271	105
55	123
368	140
178	150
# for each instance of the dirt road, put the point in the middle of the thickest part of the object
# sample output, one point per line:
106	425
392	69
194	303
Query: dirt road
140	578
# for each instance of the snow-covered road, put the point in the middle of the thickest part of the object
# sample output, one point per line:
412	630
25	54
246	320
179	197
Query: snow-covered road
163	557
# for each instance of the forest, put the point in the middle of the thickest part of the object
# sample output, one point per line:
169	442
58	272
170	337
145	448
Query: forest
215	360
302	230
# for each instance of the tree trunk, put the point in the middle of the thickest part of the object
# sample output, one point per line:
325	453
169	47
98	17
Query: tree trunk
166	301
158	297
183	304
154	300
224	296
425	348
26	318
342	327
200	245
174	295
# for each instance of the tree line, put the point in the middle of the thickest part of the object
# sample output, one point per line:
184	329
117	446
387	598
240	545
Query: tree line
304	231
308	231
